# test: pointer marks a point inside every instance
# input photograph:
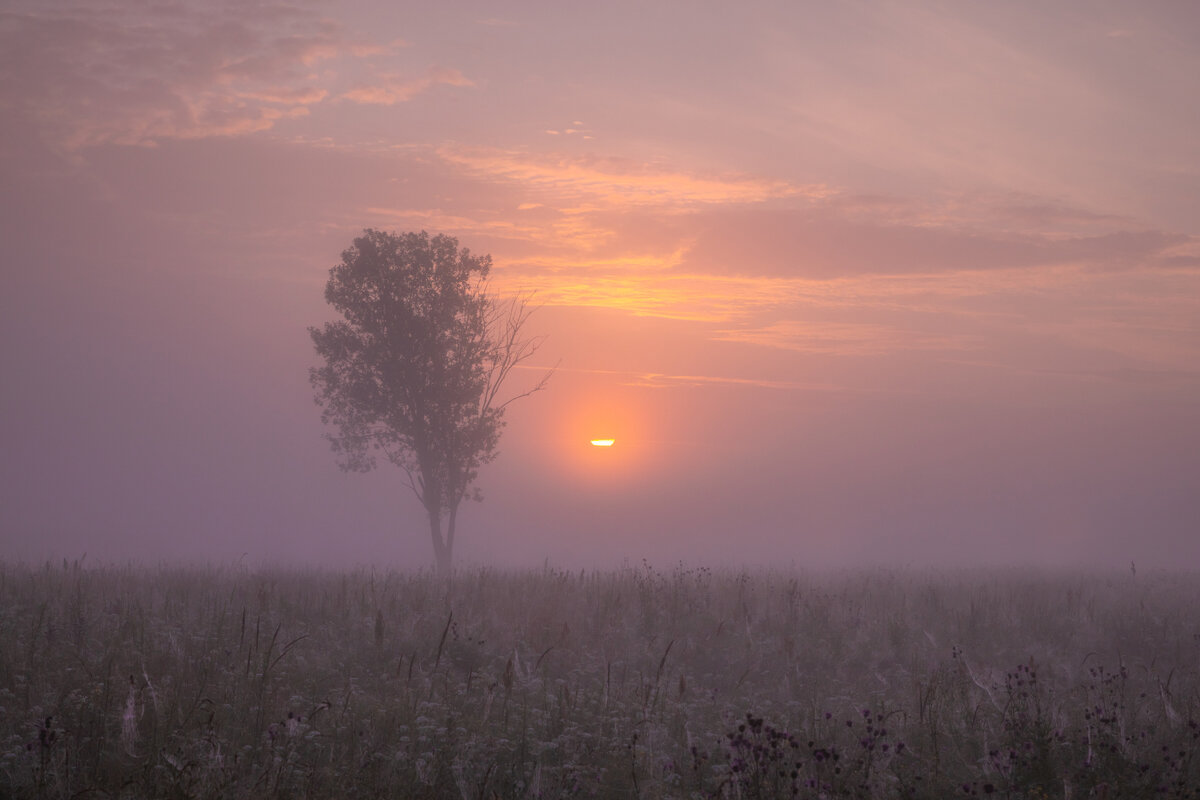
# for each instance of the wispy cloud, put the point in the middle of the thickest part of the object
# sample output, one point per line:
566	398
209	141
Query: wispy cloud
656	294
621	181
826	273
654	380
658	380
394	89
825	240
134	76
440	220
130	76
658	285
844	338
371	49
282	95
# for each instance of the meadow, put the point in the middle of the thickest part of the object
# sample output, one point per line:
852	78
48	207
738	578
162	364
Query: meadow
228	682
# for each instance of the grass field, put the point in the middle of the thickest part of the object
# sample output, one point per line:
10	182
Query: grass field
228	682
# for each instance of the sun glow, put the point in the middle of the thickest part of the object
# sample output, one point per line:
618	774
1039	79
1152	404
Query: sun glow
601	436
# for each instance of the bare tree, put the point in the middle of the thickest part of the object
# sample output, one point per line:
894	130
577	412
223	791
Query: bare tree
414	371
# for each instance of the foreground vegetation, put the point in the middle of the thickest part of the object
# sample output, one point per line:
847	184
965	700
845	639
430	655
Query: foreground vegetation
225	682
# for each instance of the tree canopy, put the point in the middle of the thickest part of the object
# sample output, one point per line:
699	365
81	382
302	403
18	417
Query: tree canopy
414	369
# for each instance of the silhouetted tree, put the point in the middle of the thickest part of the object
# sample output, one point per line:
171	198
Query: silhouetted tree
414	370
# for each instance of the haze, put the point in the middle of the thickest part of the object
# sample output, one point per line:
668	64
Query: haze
849	283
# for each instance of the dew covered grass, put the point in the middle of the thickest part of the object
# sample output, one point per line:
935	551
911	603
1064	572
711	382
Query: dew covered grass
237	683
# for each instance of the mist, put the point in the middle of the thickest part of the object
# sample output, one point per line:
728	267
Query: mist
864	351
891	311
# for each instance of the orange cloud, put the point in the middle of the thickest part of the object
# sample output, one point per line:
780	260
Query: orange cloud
651	292
621	181
643	264
395	89
654	380
658	380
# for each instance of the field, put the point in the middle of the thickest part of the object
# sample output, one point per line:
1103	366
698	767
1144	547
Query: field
235	683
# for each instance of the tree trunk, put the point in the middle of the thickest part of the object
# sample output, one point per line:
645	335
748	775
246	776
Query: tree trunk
441	553
450	526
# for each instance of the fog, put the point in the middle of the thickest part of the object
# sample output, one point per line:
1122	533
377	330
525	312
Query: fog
974	348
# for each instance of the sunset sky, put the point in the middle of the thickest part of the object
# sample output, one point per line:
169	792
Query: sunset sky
848	282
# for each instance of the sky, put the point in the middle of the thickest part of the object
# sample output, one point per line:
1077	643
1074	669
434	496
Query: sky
850	283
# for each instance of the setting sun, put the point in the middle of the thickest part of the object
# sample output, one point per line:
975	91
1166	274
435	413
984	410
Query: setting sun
603	442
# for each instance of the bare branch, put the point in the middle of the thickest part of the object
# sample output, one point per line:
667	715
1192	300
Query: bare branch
507	321
411	484
539	386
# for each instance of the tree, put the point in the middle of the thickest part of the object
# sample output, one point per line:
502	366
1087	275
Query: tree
414	370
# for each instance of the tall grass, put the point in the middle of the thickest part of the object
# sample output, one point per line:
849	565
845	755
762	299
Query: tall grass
226	682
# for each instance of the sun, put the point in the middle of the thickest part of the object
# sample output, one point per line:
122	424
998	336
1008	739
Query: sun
603	442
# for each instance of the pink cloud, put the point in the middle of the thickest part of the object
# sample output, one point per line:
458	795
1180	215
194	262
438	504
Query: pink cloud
368	50
302	96
826	241
135	77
